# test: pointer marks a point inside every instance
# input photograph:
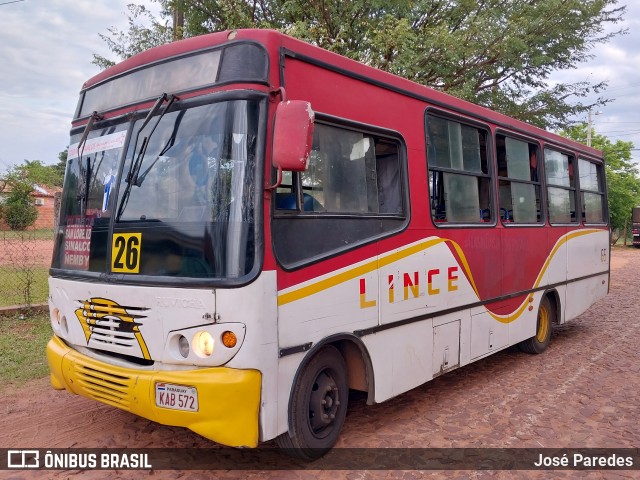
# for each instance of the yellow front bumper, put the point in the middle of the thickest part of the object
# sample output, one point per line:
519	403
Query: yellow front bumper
229	399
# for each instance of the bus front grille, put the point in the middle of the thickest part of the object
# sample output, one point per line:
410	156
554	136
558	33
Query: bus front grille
103	386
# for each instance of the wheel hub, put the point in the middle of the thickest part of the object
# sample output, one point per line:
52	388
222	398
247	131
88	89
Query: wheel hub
324	402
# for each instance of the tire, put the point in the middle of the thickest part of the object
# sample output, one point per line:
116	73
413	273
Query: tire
318	406
540	341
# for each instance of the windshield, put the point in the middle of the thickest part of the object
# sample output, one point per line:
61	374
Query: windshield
182	204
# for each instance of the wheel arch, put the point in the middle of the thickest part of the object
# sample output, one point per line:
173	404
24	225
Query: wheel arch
356	356
554	298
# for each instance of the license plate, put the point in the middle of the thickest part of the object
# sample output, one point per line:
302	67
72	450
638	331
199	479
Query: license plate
176	397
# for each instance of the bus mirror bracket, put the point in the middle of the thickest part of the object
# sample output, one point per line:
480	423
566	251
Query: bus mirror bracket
292	137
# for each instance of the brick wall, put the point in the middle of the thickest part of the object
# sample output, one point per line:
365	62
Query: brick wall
45	213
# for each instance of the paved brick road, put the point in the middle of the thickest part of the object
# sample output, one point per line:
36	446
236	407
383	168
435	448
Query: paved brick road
582	392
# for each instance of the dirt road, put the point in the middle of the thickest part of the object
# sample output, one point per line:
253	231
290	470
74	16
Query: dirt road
582	392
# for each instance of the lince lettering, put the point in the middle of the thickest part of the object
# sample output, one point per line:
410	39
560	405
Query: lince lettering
413	284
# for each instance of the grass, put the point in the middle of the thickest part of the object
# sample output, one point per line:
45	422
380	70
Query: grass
22	348
13	282
40	234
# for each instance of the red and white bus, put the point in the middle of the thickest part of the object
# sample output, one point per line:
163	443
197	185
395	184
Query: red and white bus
251	226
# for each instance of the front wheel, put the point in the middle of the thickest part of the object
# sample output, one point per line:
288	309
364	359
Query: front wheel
318	406
540	341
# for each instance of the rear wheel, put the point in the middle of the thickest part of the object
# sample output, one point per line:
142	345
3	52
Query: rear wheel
318	406
540	341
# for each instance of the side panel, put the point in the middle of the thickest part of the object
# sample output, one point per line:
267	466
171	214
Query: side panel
583	293
415	346
424	298
446	347
423	278
402	358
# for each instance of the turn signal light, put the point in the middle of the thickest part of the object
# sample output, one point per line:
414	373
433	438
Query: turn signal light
229	339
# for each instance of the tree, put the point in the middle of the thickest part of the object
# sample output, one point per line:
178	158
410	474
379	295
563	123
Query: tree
623	182
61	167
17	208
497	53
38	173
138	38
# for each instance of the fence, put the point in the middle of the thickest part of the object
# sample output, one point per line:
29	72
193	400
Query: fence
25	257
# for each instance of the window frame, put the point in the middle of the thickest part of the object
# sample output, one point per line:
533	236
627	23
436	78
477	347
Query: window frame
390	136
602	191
572	188
490	175
541	177
285	221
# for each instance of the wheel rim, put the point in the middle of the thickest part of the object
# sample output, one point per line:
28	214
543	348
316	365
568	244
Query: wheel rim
324	403
543	324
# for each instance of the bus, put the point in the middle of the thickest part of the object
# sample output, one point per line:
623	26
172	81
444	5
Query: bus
252	226
635	226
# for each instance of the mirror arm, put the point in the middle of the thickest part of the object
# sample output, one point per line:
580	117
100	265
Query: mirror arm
278	181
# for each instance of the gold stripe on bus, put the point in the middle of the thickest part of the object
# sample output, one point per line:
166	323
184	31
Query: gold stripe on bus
564	239
465	266
143	346
556	247
350	274
370	266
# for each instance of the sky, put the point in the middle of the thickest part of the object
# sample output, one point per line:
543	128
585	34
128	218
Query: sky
46	48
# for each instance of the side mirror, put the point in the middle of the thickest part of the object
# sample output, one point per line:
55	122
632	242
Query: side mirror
292	136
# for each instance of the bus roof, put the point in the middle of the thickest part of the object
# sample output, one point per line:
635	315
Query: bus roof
273	40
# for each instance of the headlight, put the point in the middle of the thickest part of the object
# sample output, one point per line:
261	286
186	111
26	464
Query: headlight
203	344
183	346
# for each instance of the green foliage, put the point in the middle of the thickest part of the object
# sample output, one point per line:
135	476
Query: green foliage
496	53
623	182
60	167
138	38
18	210
38	173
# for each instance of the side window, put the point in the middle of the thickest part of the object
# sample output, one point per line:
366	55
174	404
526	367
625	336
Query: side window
518	181
350	172
459	180
353	192
591	191
286	192
561	192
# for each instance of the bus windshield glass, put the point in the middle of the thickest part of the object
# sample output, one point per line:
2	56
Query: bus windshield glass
186	195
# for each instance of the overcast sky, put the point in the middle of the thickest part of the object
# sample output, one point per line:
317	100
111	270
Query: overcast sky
46	49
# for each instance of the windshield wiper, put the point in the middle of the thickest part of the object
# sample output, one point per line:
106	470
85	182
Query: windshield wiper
172	139
136	163
84	173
